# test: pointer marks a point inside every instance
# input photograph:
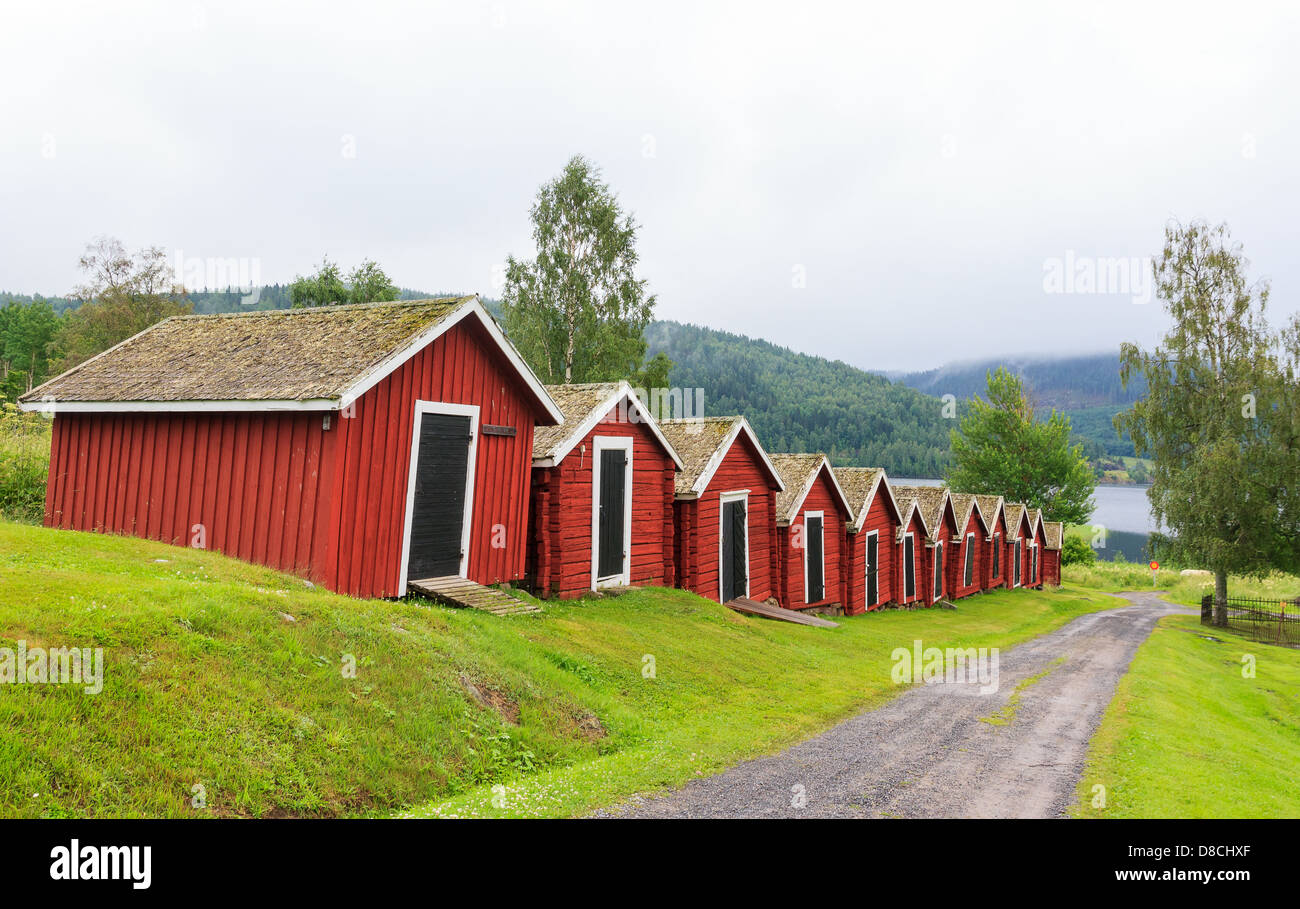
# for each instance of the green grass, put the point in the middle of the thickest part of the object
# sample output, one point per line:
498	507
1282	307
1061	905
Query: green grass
1007	712
24	464
1187	591
208	682
1188	736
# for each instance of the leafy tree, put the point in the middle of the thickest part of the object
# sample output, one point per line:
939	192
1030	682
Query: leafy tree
323	288
577	312
1076	551
122	296
367	283
1001	449
1220	417
26	332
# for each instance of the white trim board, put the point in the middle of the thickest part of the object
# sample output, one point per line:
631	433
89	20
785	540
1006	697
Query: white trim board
597	416
822	524
866	568
458	410
611	443
741	495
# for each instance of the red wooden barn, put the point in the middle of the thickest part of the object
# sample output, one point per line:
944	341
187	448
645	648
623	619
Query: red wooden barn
1019	534
725	509
1053	537
602	494
1037	539
938	528
870	546
811	516
967	563
357	446
995	563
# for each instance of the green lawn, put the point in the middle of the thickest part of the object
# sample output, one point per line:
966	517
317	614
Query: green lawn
1188	736
208	681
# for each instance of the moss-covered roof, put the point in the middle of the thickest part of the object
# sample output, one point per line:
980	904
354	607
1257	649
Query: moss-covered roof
989	506
1054	532
798	472
273	355
962	505
930	501
1014	512
697	441
858	484
576	402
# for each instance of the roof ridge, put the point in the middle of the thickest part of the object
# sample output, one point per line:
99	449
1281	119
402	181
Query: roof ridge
329	308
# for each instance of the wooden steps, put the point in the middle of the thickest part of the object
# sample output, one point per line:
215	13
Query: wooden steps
753	607
462	592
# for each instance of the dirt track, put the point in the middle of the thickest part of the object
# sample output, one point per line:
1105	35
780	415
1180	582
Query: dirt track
928	753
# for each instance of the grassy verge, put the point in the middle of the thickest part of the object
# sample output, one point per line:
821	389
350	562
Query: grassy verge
1188	735
234	678
1116	576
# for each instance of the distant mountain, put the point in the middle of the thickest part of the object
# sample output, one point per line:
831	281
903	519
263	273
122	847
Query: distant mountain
799	402
1066	383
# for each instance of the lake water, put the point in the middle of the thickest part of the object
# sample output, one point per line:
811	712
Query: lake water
1123	510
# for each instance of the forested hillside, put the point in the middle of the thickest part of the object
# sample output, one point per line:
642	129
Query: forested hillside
1066	383
798	402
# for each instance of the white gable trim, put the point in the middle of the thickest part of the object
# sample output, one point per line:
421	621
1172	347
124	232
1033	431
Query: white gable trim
720	454
597	415
793	511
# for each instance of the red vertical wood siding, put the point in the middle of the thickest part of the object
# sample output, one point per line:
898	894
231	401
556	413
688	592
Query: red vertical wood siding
1000	534
278	489
924	575
560	524
883	521
1052	567
822	497
699	541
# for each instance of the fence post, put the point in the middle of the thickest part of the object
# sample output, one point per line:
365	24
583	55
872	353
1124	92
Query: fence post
1207	609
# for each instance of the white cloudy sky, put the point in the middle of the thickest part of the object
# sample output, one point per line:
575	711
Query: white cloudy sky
917	163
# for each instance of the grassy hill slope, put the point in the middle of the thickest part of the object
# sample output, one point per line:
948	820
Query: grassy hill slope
229	676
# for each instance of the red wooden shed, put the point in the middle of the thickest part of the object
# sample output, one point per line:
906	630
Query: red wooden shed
938	524
871	543
1053	537
966	566
725	509
811	516
995	562
602	494
357	446
1037	541
1019	533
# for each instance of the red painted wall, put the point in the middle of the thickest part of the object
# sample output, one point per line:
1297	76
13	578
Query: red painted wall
917	529
1052	567
559	559
280	490
957	565
697	539
989	581
881	520
822	497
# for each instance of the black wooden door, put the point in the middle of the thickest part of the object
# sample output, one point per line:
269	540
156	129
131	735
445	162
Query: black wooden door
816	560
438	510
909	566
873	569
735	557
610	532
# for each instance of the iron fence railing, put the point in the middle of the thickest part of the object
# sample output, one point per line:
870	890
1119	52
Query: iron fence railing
1267	621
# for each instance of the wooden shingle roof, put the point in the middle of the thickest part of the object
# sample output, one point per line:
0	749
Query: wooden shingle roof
962	505
703	443
861	485
318	358
798	472
930	502
989	507
1054	533
585	405
1015	512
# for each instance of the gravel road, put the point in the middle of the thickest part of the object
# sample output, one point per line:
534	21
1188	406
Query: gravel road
928	753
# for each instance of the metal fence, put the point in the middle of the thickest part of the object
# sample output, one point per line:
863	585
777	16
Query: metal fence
1266	621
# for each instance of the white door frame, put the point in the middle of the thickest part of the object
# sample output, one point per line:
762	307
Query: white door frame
741	495
806	516
1016	569
937	568
910	535
866	566
455	410
969	547
611	443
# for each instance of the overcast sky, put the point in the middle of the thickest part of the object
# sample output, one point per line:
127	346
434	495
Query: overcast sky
889	184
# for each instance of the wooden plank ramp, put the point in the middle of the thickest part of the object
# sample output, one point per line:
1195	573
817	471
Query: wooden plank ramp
753	607
462	592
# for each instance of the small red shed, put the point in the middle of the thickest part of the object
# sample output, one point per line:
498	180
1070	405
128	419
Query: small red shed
967	565
811	516
938	524
725	509
995	562
357	446
602	494
1053	537
870	546
1019	534
1037	539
